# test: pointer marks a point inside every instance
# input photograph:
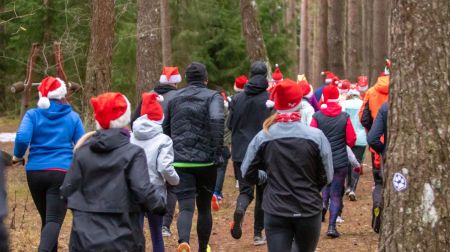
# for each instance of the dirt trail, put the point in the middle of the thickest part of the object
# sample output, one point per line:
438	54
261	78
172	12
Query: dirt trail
356	232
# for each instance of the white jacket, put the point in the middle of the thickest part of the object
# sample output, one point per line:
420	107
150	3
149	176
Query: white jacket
158	148
306	111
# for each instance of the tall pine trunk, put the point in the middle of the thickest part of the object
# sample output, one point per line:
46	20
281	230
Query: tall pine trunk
99	60
303	57
148	52
367	6
336	36
417	219
354	39
379	37
251	28
321	44
165	33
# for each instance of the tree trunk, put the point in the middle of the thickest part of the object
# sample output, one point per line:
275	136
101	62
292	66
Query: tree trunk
336	36
417	219
46	22
312	21
256	49
303	63
354	39
148	52
379	37
367	6
165	33
321	45
99	59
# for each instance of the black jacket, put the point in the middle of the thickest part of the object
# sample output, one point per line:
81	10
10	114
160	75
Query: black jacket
379	128
3	205
195	122
247	113
107	186
298	162
167	91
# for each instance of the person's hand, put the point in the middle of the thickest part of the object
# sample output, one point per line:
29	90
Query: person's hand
16	160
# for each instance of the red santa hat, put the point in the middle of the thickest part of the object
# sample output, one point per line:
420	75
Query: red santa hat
330	77
239	83
277	75
363	83
354	90
170	75
151	107
286	96
343	86
51	88
330	93
111	110
307	89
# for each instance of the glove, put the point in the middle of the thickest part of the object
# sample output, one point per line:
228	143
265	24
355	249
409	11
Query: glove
357	170
16	160
262	177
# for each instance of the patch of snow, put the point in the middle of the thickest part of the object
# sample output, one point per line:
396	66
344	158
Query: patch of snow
429	211
7	137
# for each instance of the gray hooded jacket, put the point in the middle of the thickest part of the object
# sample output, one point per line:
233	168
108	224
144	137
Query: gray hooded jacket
158	149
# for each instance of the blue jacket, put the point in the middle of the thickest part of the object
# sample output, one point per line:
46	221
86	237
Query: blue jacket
379	128
318	92
51	134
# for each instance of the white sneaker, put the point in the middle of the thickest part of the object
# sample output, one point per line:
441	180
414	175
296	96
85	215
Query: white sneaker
339	219
352	196
166	232
348	191
259	240
237	184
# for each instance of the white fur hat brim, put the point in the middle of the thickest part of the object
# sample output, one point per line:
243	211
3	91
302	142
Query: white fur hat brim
58	94
173	79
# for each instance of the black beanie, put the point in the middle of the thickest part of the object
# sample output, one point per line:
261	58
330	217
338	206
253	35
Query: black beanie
196	72
258	68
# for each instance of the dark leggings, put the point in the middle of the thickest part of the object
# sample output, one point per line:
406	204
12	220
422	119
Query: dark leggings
196	187
3	237
155	223
353	179
171	203
333	194
44	188
245	198
280	231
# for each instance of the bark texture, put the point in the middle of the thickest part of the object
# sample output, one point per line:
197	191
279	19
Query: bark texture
99	60
165	33
418	218
367	6
354	39
379	37
251	28
336	29
304	32
148	52
321	45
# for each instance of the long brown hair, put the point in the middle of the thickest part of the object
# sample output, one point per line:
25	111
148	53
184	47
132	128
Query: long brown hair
271	120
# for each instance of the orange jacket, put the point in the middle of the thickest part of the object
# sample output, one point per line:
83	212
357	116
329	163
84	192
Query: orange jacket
376	96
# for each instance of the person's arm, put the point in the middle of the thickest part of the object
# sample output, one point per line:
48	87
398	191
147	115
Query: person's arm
23	136
230	115
327	158
216	125
72	179
253	161
167	118
352	159
350	134
365	117
139	183
376	132
79	130
164	163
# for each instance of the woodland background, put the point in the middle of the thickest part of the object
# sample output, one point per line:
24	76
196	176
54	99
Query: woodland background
348	37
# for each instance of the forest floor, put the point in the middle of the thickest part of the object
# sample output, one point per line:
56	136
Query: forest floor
24	221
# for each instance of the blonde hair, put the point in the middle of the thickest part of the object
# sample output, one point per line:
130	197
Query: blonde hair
82	140
271	120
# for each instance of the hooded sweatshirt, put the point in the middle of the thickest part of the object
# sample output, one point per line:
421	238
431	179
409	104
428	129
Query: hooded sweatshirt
248	111
159	151
375	97
51	134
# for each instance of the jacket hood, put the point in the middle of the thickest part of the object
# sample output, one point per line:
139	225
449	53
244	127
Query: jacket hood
332	109
258	68
144	129
382	85
256	85
56	110
162	89
106	140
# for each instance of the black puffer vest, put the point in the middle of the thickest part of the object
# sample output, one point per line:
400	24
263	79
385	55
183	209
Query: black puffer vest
334	128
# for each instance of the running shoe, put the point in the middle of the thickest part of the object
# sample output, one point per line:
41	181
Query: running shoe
332	232
184	247
348	191
166	232
236	225
259	240
237	184
352	196
215	203
208	249
339	219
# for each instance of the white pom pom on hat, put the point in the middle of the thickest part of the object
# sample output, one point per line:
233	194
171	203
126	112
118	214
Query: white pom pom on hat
51	88
270	104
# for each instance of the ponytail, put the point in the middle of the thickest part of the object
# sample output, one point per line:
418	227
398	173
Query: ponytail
82	140
271	120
